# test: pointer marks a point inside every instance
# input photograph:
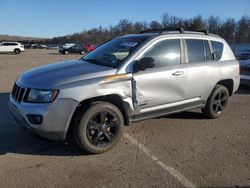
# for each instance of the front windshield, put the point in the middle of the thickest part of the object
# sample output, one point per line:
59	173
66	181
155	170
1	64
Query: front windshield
114	52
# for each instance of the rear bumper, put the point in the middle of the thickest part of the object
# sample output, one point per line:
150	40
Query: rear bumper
56	117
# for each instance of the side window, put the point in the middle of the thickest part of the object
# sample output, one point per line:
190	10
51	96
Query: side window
165	53
198	51
218	49
5	44
195	50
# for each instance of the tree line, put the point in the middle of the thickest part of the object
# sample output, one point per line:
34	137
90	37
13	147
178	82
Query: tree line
233	31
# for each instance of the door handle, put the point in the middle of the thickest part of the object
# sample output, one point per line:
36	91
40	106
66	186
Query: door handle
178	73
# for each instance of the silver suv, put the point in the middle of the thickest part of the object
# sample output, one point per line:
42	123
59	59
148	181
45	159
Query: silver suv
127	79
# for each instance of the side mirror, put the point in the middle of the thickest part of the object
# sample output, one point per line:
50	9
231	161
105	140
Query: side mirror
143	64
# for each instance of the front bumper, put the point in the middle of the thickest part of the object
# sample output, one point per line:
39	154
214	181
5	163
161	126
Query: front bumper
245	80
56	116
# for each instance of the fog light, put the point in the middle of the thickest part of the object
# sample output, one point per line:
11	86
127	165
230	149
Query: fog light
35	119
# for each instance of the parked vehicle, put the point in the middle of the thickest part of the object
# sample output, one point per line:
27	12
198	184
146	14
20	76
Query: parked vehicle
88	47
7	47
34	46
68	45
42	46
27	46
245	72
127	79
73	49
52	47
244	55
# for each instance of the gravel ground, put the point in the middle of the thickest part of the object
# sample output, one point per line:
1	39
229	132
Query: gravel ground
170	151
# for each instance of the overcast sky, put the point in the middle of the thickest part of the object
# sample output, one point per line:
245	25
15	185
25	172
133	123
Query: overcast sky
49	18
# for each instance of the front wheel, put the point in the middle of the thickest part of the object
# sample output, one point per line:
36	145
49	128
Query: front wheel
99	128
17	51
216	102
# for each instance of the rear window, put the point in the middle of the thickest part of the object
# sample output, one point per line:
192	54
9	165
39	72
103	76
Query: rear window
218	49
198	51
12	44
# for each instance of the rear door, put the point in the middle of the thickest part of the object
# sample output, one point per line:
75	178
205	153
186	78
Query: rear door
202	70
11	47
156	88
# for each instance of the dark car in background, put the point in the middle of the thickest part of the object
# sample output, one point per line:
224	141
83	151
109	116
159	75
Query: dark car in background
245	72
244	55
73	49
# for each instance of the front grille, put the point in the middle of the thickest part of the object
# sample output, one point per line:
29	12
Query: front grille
18	93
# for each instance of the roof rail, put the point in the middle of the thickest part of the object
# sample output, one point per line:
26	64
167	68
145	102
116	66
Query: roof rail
180	29
162	30
205	31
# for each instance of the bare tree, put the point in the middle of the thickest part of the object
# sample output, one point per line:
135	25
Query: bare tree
213	24
228	30
155	25
243	30
233	31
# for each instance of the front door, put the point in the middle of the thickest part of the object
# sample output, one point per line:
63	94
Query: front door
163	85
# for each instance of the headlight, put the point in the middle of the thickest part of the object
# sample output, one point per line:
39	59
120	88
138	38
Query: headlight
41	95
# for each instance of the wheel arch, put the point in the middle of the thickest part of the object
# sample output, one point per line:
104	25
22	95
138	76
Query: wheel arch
16	49
111	98
227	83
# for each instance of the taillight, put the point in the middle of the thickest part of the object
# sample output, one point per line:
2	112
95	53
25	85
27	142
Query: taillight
239	68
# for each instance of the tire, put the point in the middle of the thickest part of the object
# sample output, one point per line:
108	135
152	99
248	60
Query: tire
216	102
99	128
82	52
17	51
66	52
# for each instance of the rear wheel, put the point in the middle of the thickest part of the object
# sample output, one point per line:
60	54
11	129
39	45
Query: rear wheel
217	102
99	128
66	52
17	51
82	52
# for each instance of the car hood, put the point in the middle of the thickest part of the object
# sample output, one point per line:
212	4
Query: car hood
53	75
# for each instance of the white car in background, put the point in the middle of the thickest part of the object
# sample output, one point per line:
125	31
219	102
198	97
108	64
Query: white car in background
16	47
68	45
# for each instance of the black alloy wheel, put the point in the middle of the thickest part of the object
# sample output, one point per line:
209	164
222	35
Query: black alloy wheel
102	128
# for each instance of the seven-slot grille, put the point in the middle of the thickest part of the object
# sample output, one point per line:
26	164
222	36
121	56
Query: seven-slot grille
18	93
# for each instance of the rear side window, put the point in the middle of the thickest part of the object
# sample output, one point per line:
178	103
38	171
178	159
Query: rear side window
198	51
218	49
165	53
